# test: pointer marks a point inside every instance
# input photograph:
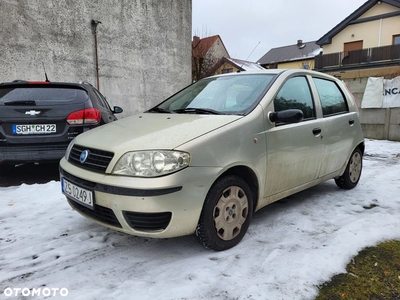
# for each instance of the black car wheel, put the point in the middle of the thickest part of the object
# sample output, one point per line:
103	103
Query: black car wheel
226	214
352	174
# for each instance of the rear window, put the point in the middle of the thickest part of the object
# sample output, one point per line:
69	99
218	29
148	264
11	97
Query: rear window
48	94
333	101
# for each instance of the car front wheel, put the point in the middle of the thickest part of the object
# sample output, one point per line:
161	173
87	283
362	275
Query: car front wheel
352	174
226	214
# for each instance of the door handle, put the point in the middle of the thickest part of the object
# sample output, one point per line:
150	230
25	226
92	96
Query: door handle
351	121
316	131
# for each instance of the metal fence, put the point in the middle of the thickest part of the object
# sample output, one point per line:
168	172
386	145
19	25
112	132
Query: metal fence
358	58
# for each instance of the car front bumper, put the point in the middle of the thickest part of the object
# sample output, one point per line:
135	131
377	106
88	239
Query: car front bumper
161	207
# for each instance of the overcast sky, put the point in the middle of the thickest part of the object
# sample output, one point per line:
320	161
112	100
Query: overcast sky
242	25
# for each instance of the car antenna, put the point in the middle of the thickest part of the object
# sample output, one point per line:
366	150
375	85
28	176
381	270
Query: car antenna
249	56
45	74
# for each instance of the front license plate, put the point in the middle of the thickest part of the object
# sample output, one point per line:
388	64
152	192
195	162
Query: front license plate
77	193
34	129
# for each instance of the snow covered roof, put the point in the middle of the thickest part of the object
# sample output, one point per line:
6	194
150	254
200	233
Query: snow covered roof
241	65
244	65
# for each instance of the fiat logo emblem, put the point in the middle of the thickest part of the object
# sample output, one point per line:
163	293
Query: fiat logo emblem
84	156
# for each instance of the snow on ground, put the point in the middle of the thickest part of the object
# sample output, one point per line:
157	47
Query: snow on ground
291	247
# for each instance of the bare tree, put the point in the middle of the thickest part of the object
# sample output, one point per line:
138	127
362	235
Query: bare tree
202	65
202	59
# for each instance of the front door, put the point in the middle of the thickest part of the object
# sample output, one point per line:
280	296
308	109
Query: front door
295	150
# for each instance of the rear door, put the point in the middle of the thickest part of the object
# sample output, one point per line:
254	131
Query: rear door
340	125
37	113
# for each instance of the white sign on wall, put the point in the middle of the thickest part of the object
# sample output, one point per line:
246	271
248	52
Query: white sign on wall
381	93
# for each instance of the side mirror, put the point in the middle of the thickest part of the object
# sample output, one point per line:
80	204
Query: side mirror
286	116
117	110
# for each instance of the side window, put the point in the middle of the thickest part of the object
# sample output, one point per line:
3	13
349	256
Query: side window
296	94
102	101
332	99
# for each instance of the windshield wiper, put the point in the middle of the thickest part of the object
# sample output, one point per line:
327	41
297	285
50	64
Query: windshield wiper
197	111
159	110
20	102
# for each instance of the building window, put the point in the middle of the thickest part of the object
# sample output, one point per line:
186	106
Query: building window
272	66
230	70
306	65
396	39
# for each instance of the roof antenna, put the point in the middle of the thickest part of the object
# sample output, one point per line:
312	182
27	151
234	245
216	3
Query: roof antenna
249	55
45	74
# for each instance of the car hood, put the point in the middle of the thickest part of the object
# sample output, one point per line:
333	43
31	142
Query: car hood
152	131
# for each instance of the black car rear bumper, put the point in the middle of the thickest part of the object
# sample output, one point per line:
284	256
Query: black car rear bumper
19	154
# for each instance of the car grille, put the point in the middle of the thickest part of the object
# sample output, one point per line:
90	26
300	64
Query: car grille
147	221
97	160
99	213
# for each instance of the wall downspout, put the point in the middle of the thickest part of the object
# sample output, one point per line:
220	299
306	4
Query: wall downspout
94	27
380	33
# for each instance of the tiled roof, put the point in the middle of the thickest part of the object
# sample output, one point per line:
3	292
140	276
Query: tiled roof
200	47
299	51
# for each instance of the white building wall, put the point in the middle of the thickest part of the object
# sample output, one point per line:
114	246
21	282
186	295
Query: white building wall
373	34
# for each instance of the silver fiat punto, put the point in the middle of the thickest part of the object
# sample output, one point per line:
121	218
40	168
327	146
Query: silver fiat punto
204	160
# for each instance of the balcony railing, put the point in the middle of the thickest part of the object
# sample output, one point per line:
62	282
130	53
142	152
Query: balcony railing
365	58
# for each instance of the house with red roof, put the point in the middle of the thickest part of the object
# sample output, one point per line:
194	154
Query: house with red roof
206	52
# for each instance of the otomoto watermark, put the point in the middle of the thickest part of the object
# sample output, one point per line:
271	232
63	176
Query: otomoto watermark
34	292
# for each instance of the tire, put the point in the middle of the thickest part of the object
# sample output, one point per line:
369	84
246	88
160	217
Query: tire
5	170
352	174
226	214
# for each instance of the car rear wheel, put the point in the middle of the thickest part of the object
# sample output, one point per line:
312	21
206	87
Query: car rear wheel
5	169
352	174
226	214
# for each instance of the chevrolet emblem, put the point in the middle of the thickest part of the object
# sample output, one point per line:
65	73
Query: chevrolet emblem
32	112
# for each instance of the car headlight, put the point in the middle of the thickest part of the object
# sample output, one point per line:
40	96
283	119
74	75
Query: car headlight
151	163
69	149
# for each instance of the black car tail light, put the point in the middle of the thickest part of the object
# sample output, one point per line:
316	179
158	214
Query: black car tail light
84	116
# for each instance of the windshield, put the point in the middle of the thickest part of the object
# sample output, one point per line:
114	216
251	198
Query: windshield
219	95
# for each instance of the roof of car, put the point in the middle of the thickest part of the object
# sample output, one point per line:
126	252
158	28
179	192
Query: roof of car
265	71
18	82
277	72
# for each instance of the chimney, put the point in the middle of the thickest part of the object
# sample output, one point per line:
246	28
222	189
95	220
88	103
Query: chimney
196	41
300	44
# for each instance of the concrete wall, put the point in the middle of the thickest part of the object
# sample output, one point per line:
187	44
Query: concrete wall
377	123
144	46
